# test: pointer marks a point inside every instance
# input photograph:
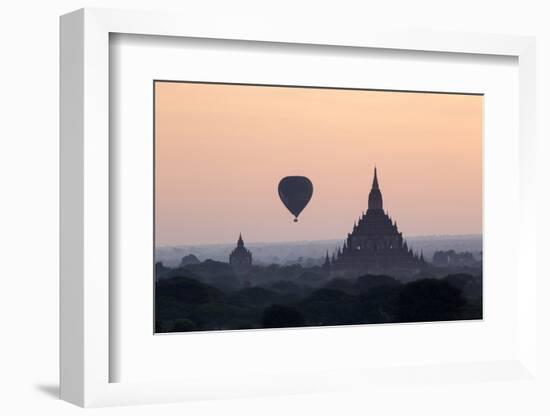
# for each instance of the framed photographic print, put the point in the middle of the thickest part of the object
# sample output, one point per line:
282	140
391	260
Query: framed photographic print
269	212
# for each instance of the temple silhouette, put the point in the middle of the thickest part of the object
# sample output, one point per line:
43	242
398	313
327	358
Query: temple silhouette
375	245
240	258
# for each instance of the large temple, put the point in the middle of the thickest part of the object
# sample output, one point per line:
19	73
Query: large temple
375	245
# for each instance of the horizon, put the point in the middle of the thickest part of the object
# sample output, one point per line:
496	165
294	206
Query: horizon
290	252
327	240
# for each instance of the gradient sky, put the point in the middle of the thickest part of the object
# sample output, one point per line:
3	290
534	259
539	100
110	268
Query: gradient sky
221	151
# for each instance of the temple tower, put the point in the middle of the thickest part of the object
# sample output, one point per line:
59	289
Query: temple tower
240	258
375	196
375	244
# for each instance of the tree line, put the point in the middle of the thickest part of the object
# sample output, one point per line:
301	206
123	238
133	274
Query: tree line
185	303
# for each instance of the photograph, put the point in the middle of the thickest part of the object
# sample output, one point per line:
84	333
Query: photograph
283	206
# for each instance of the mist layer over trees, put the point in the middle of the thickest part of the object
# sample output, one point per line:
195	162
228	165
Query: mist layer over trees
310	253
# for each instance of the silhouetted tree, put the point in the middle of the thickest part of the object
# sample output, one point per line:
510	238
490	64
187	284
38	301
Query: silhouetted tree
189	259
187	290
429	300
370	281
469	285
343	285
159	326
161	270
220	315
286	286
253	296
278	316
183	325
330	307
311	277
472	289
380	304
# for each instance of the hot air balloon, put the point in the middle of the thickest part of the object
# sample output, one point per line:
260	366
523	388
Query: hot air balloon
295	192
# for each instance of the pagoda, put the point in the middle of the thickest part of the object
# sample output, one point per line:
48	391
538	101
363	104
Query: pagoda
240	258
375	245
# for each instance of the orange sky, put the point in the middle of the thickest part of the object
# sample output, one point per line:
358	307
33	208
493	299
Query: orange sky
222	149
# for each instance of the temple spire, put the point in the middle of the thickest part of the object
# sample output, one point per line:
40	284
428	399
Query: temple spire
375	196
375	180
240	259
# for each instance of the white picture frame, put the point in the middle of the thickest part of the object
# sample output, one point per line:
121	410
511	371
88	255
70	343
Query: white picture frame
85	202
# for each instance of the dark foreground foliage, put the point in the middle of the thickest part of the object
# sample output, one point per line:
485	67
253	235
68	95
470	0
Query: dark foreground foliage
190	304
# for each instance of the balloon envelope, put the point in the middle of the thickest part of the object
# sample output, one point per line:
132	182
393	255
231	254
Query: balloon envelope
295	193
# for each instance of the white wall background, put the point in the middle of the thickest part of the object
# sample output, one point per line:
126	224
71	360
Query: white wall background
29	204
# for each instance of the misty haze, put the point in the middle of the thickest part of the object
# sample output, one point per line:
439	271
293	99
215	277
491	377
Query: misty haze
309	253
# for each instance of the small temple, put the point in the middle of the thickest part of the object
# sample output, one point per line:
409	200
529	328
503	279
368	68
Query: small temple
375	244
240	258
